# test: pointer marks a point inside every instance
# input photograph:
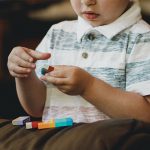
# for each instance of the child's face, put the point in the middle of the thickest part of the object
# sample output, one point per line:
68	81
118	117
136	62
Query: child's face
99	12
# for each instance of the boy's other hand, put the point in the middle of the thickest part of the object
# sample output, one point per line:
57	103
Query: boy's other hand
21	61
69	79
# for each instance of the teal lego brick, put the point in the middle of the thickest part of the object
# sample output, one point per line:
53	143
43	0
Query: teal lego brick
63	122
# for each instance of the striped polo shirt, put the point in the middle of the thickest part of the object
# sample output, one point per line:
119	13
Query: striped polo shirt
117	53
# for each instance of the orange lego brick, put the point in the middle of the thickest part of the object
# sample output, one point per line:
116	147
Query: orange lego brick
43	125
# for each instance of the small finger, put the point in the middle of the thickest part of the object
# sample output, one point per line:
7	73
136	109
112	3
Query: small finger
18	75
20	70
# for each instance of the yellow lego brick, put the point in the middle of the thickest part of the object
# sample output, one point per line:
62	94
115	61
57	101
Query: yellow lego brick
52	123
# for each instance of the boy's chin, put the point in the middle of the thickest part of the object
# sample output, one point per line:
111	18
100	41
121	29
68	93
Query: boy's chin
95	24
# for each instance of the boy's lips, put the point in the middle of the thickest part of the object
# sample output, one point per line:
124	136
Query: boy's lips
90	15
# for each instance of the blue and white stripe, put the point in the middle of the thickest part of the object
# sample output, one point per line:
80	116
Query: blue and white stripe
121	58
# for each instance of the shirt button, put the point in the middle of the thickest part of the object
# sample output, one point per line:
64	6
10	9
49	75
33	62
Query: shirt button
91	36
85	55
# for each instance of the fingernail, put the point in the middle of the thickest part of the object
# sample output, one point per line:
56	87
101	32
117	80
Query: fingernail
33	65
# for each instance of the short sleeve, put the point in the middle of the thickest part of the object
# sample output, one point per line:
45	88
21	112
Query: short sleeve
138	65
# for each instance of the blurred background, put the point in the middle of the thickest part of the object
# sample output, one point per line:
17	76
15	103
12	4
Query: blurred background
24	23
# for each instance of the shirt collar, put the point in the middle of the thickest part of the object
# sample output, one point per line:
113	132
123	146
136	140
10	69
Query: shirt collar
126	20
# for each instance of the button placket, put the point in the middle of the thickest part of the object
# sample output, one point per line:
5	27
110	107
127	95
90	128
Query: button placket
91	37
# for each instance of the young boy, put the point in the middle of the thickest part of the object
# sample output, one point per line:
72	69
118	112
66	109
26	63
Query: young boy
101	65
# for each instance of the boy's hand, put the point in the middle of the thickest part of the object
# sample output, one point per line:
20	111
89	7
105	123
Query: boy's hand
21	61
69	79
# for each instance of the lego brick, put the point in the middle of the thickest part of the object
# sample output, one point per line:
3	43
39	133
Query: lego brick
46	69
60	122
69	121
29	125
35	124
32	125
52	123
63	122
43	125
21	120
55	123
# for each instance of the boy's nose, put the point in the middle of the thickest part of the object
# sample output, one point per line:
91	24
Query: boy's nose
88	2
